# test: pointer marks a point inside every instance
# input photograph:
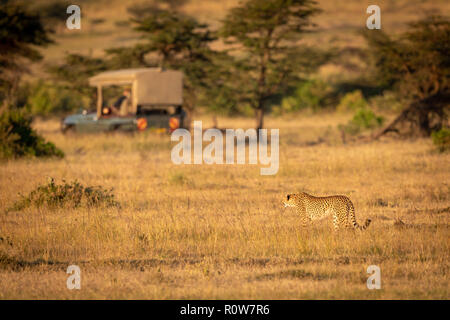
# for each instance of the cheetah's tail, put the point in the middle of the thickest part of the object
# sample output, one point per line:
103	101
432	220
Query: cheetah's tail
353	218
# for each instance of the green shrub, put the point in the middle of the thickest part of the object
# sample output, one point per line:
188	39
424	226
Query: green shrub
352	101
46	99
66	195
441	139
18	139
387	101
288	104
363	119
310	94
178	178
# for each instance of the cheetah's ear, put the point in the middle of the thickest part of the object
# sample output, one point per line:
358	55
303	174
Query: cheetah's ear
288	196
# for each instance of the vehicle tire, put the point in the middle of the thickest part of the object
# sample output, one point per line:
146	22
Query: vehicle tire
67	129
116	128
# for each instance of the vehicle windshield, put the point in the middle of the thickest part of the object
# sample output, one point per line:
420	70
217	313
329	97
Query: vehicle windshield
116	101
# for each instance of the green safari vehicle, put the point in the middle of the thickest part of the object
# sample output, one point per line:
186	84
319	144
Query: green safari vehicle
155	101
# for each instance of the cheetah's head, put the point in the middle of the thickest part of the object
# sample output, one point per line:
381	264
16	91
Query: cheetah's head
290	200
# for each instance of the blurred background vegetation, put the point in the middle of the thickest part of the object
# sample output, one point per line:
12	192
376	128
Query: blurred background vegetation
246	58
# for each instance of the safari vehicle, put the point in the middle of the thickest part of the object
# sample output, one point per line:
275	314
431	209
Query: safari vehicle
155	102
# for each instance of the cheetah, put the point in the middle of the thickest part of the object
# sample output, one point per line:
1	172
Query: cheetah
315	208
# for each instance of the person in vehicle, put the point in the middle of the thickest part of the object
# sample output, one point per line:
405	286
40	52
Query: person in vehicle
122	104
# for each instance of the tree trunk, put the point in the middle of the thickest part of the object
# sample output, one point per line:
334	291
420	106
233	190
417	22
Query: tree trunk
188	118
190	100
391	127
423	123
214	120
3	107
418	114
259	113
12	86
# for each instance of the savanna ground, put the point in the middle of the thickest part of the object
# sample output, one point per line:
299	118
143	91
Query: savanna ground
220	231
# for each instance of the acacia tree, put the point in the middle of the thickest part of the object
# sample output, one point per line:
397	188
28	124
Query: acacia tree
75	71
144	9
267	33
417	65
20	33
179	42
127	57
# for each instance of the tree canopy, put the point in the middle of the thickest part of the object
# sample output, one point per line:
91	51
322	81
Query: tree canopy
417	65
75	71
179	42
268	32
20	33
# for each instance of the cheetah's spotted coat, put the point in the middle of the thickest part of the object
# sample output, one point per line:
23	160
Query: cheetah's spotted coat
314	208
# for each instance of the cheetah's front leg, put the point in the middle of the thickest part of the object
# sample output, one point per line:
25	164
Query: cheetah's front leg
304	217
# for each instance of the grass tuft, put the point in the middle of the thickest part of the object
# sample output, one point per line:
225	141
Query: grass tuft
71	195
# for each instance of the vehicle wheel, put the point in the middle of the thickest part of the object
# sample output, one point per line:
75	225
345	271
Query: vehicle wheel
67	129
116	128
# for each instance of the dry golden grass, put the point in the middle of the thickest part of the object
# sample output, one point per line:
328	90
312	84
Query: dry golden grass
220	232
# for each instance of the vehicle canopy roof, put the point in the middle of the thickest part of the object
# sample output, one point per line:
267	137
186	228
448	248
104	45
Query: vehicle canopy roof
150	86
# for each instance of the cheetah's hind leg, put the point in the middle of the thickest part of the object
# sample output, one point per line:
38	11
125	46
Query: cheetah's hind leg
335	222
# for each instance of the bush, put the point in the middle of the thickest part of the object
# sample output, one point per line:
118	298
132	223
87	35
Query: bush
178	178
312	94
388	101
18	139
45	99
363	119
441	139
352	101
67	195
